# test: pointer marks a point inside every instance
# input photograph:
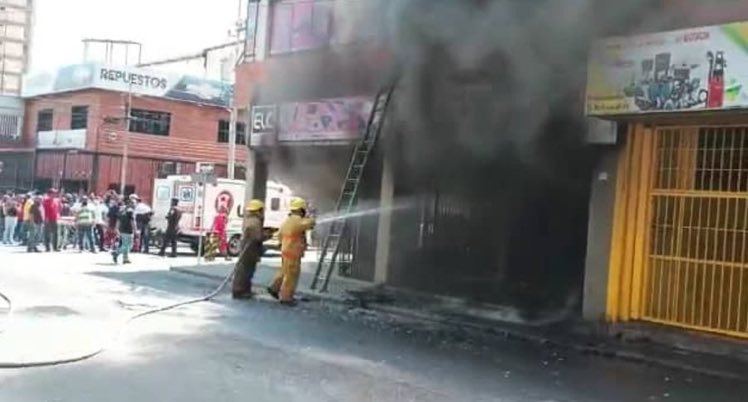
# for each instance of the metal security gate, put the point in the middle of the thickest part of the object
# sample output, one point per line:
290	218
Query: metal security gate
695	244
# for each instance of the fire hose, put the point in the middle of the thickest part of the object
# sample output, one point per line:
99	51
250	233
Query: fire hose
9	313
115	336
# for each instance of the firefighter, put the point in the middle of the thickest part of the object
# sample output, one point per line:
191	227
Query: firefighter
172	229
293	245
251	250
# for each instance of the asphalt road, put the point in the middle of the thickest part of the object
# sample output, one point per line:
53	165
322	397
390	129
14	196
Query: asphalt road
68	303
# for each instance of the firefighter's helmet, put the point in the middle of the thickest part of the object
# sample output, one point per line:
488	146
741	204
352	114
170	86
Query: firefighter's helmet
298	204
255	206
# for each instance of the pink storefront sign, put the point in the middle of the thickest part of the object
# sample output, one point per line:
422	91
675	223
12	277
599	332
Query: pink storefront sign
327	120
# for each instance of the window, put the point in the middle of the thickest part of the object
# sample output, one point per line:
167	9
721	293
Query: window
150	122
78	117
275	204
223	132
129	189
44	120
163	193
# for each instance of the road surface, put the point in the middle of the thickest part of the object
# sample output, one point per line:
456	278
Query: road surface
69	303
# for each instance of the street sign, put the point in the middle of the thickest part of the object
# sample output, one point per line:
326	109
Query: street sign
206	168
204	178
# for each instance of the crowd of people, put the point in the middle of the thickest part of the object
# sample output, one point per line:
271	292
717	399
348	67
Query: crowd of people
121	225
58	221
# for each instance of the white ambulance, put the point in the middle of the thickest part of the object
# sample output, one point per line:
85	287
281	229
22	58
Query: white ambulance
200	204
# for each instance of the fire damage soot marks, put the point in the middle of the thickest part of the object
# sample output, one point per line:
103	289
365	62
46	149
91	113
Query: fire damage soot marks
491	90
141	80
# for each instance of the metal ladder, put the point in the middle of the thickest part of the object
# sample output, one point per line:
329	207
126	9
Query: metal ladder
349	192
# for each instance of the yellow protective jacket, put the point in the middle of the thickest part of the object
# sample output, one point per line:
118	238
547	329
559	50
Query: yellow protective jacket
293	236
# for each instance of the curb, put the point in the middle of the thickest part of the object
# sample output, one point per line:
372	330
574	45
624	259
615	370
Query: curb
510	333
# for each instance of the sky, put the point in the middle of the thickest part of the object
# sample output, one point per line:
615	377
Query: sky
166	28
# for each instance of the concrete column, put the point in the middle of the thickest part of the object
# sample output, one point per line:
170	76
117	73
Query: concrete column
257	175
384	229
599	234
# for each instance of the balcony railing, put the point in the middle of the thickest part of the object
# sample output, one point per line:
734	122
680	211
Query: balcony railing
297	25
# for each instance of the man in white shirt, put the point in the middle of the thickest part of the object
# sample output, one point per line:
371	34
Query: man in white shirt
143	214
101	210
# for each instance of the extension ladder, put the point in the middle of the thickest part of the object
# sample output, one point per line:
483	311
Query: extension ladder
331	245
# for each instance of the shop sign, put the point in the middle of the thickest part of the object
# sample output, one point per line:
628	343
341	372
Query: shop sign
686	70
326	120
139	81
61	139
263	125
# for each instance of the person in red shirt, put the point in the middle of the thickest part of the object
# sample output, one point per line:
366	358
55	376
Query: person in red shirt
220	224
51	206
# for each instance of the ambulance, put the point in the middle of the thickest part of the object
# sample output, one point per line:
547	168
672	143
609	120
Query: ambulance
200	203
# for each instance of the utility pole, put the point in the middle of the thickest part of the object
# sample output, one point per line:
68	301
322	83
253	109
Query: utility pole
126	141
234	111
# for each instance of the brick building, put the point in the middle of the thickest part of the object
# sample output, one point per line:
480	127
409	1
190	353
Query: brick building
78	133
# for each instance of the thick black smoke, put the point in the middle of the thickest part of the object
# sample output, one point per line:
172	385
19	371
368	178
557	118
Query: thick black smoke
482	79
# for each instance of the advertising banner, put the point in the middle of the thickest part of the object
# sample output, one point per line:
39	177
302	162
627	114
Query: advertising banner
686	70
327	120
61	139
124	79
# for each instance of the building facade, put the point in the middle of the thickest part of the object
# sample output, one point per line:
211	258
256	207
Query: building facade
16	22
490	199
668	227
440	229
76	131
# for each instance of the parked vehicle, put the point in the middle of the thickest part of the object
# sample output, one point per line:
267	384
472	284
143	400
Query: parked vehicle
225	193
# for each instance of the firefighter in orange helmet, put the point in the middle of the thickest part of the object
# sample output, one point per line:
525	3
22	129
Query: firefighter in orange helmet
251	250
293	245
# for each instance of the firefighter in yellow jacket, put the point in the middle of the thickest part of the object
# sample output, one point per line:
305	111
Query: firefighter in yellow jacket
293	245
251	250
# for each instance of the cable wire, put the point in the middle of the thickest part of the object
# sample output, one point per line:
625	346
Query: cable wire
117	332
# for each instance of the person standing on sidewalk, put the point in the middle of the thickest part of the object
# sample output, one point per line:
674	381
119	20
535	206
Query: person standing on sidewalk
84	221
51	206
10	208
100	211
143	214
293	245
28	219
126	225
172	229
219	227
20	225
251	251
36	220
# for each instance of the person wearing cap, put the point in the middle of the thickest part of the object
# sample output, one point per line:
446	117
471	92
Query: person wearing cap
172	229
251	250
293	245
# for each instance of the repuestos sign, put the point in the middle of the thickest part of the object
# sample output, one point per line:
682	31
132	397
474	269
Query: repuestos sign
129	78
140	81
686	70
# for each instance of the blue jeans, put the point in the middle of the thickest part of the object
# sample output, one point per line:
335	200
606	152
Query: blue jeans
125	245
85	238
10	229
34	236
